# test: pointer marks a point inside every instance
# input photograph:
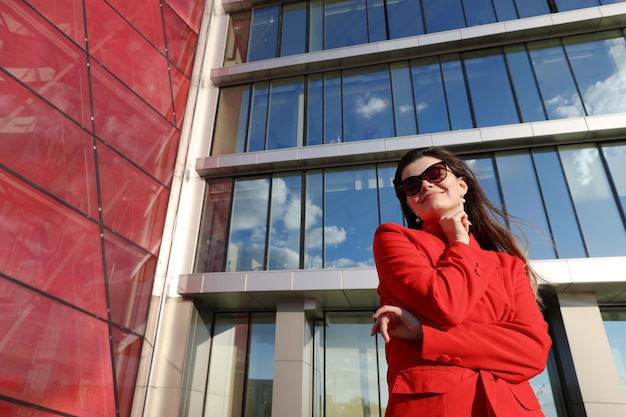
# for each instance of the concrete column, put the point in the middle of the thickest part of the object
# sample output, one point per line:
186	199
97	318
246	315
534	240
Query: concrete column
291	393
594	373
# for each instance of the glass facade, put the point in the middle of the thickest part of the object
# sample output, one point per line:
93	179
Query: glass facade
92	98
568	198
614	319
542	80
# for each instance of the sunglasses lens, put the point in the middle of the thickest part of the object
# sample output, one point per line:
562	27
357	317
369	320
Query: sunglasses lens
436	173
412	185
433	174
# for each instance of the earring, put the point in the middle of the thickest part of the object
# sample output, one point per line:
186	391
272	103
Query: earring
418	220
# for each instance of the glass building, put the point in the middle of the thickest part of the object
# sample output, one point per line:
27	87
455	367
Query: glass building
189	191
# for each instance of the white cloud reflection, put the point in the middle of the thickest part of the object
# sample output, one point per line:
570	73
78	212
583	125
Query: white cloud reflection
369	105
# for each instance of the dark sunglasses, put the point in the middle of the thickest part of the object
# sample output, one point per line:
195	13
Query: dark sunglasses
434	174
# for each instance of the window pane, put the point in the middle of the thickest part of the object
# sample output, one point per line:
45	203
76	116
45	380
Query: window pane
248	226
260	375
524	84
485	173
599	67
594	202
214	227
405	18
316	28
367	106
565	5
558	203
237	39
490	89
348	227
614	319
456	93
430	101
313	220
351	366
285	224
478	12
293	32
258	117
315	106
555	80
505	10
286	114
522	200
528	8
231	120
263	34
332	107
345	23
443	15
377	26
615	156
390	210
403	106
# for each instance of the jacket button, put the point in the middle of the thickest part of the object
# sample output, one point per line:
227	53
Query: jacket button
480	267
443	358
455	361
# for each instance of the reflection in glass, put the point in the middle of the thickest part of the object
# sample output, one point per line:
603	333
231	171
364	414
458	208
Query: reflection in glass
350	217
615	155
405	18
389	206
352	374
614	319
485	173
285	215
315	115
443	15
478	12
558	205
490	89
293	30
231	121
555	79
594	201
545	392
260	372
258	117
599	65
285	120
403	106
523	200
528	8
430	100
332	107
526	90
248	227
313	220
263	34
456	92
376	22
367	104
237	39
565	5
316	28
345	23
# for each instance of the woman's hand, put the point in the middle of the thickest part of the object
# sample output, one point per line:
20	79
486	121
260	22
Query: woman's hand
456	226
392	321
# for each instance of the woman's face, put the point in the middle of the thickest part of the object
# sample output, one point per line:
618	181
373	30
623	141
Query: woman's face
434	200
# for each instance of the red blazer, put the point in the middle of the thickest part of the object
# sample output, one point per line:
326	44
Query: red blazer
484	334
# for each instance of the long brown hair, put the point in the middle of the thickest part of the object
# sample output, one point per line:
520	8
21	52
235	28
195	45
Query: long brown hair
488	232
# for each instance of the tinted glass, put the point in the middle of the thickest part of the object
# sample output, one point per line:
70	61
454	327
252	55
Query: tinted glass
350	217
367	105
599	66
615	156
485	173
456	93
390	210
614	319
316	28
595	204
528	8
429	96
490	89
505	9
523	200
286	113
315	109
403	106
555	80
443	15
260	372
405	19
478	12
524	84
258	117
248	226
211	253
231	120
558	205
345	23
332	108
376	22
313	220
293	31
285	222
565	5
263	34
237	40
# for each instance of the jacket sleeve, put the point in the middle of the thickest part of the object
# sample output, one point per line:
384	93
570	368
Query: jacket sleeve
440	295
515	350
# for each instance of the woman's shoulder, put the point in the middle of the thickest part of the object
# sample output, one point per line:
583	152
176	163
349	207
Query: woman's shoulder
388	229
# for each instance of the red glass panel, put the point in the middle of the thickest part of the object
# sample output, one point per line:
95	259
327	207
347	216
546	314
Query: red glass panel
13	409
180	84
132	127
181	41
37	140
128	55
145	16
127	353
53	355
67	15
50	246
38	55
189	10
130	278
134	205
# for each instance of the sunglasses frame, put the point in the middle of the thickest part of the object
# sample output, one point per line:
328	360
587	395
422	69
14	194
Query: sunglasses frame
422	176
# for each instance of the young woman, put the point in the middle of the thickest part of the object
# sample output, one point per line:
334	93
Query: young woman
459	307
